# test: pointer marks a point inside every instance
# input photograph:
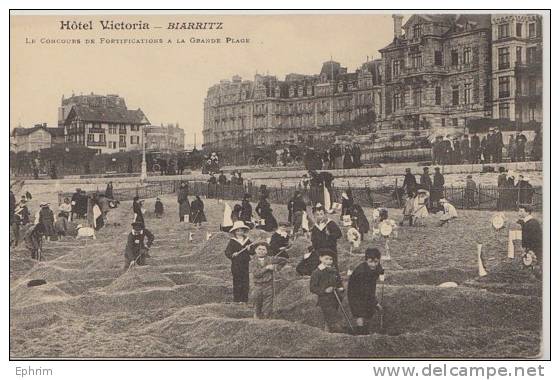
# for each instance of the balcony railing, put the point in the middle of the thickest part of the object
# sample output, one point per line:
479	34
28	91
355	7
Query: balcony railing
96	130
535	66
97	143
532	97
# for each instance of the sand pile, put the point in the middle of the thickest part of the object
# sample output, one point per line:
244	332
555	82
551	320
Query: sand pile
508	272
139	278
212	251
204	332
49	272
106	259
22	295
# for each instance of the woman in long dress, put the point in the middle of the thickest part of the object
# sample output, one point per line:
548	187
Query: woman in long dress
183	200
197	211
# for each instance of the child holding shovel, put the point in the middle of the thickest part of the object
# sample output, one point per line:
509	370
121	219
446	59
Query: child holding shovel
239	252
324	282
263	280
361	290
137	245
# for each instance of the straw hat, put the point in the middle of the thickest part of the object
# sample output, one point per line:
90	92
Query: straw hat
238	225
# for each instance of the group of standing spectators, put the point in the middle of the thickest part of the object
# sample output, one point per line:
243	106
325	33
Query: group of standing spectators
337	157
511	194
472	149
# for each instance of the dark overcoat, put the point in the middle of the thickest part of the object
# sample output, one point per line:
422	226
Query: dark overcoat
361	290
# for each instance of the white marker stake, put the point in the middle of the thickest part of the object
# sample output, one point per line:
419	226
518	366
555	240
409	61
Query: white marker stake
511	247
208	234
387	251
190	236
481	270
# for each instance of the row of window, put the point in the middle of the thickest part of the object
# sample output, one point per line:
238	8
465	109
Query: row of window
504	30
504	61
134	140
416	62
114	127
399	99
504	86
503	111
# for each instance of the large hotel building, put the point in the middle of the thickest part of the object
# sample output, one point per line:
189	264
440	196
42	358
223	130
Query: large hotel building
438	71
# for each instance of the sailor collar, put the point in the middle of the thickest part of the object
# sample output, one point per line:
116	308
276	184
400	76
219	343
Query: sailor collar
242	242
321	226
284	234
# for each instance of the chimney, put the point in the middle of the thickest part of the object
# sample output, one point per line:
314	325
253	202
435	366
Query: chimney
397	25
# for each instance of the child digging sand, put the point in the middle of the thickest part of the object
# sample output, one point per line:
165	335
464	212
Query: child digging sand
361	290
263	280
324	282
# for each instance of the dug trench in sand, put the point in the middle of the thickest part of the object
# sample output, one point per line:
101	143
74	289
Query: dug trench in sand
178	304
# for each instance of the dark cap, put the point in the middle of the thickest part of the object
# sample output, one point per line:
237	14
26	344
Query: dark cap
137	225
372	253
326	252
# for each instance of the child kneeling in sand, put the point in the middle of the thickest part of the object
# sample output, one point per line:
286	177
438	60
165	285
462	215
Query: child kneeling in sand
263	280
449	212
361	290
324	282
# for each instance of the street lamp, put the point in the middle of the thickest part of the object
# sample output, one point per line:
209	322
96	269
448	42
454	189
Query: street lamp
144	173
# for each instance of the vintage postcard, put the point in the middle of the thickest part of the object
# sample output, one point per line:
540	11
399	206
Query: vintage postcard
240	185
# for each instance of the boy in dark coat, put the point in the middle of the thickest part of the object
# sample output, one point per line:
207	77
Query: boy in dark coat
158	209
325	233
296	207
359	218
34	241
531	234
264	211
137	209
75	202
246	210
347	203
324	282
137	245
239	252
280	241
46	218
197	211
361	290
263	280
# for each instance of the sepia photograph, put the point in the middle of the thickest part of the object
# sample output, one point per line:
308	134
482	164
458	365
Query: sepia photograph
281	185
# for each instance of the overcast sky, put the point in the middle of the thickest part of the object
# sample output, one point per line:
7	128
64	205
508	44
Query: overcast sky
169	81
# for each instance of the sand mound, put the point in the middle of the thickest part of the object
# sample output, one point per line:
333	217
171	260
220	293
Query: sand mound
22	295
212	251
138	278
49	272
104	260
508	272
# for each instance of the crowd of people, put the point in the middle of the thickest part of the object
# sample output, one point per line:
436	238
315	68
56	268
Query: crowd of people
473	149
340	156
265	259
